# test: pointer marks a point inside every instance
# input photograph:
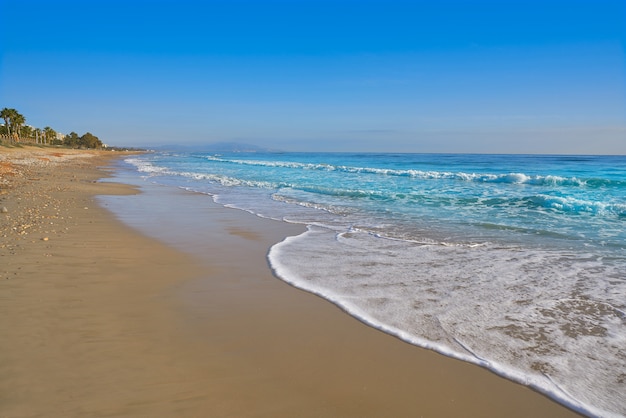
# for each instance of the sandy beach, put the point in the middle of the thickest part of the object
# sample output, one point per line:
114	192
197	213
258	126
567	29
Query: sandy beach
180	315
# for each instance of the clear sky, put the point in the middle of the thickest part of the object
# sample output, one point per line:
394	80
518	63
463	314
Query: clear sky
503	76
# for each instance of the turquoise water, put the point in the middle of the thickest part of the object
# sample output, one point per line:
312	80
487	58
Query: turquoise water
513	262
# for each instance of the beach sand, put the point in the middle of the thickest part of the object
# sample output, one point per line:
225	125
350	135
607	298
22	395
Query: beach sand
101	319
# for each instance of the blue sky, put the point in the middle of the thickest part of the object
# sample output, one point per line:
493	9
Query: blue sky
400	76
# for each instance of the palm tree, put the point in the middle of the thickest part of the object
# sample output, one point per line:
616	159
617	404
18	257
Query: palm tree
49	134
13	120
38	136
26	132
17	121
7	114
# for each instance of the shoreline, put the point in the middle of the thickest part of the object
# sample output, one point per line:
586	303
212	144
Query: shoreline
132	326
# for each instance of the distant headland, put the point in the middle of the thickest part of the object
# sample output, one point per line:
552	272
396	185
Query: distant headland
216	147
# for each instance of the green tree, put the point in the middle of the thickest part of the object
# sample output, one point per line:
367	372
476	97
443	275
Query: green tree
26	131
10	116
49	134
17	121
90	141
38	136
6	115
72	140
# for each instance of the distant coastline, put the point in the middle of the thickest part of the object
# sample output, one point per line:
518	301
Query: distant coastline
215	147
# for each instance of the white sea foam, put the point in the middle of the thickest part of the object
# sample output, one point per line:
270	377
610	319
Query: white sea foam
144	166
572	204
540	318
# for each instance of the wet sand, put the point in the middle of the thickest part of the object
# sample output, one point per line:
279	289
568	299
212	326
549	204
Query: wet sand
180	315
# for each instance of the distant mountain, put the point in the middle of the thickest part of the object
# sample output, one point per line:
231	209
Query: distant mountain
215	147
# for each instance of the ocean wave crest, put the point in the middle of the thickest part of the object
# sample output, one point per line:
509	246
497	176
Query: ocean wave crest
510	178
573	205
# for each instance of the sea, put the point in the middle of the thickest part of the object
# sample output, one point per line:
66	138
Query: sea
516	263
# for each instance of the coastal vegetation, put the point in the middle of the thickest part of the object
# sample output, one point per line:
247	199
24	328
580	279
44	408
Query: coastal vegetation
16	131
